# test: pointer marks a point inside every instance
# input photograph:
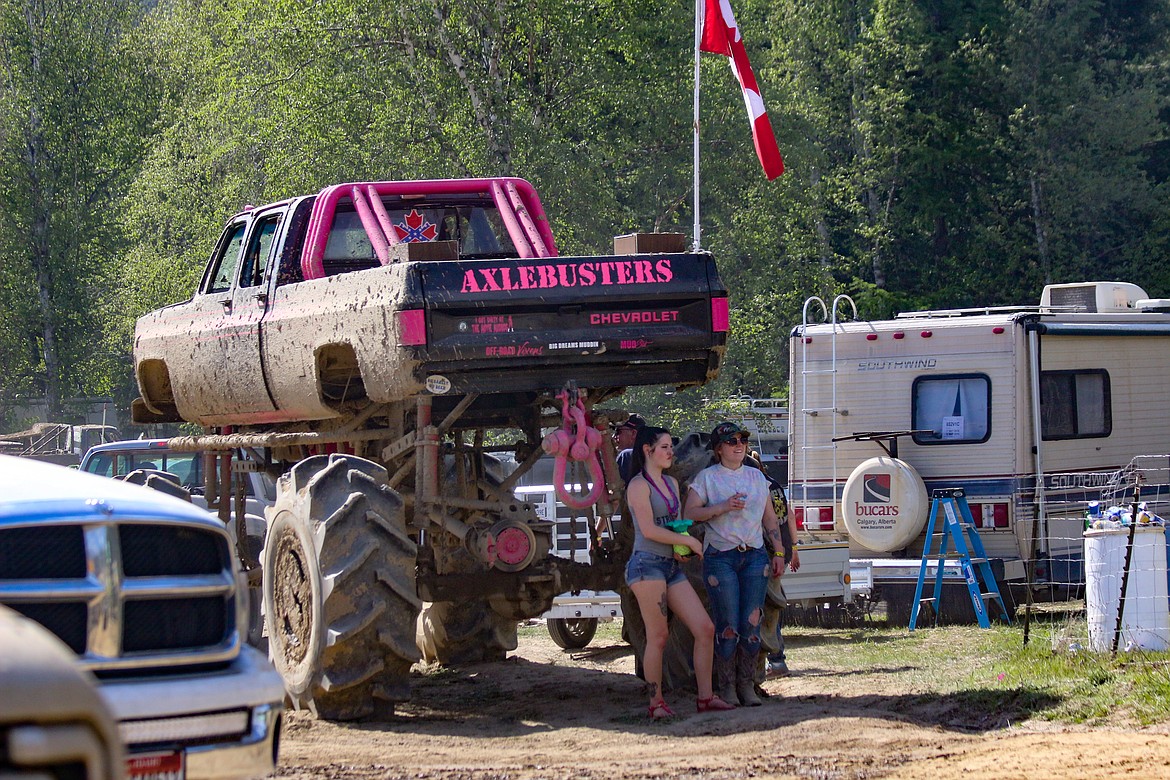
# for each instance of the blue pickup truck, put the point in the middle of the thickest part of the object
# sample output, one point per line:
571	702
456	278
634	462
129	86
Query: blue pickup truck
145	589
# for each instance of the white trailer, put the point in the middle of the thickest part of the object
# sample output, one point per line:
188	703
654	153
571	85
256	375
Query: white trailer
1029	409
766	419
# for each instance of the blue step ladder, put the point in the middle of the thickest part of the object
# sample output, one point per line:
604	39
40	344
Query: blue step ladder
960	535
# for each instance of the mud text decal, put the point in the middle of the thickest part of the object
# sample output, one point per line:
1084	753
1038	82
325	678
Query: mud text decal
490	323
634	344
522	350
574	345
590	274
628	317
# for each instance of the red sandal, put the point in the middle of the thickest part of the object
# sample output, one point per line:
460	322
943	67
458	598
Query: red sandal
659	711
713	704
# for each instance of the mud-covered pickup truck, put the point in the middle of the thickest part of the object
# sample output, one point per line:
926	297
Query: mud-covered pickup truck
367	291
375	347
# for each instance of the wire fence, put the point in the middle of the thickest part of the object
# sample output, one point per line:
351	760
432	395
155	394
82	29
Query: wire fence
1097	558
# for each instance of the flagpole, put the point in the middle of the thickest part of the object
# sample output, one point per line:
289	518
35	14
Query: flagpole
695	183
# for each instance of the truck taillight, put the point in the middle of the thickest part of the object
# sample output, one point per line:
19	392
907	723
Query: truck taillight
814	518
412	328
720	315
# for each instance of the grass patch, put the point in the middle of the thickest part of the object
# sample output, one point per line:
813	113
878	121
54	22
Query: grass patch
979	676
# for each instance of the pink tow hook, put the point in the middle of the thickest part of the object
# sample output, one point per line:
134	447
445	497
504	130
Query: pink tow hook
579	445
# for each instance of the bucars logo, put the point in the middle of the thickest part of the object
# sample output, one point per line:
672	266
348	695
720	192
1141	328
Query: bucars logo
877	488
876	496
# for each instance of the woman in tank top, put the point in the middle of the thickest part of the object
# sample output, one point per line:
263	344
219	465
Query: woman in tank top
655	576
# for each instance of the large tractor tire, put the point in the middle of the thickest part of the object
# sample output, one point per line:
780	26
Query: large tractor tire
339	591
453	633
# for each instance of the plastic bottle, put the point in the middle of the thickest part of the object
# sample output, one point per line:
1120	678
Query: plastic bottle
1093	514
680	527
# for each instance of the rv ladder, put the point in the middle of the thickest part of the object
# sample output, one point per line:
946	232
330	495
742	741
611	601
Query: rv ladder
960	534
819	417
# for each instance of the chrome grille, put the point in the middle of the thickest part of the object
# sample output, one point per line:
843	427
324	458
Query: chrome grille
126	595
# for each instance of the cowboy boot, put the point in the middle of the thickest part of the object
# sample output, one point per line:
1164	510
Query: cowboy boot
723	674
745	678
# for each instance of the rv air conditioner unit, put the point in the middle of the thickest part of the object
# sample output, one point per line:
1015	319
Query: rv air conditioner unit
1159	305
1101	297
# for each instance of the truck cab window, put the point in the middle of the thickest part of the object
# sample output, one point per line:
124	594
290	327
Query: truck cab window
953	409
1075	404
259	249
102	465
349	247
483	238
294	244
223	268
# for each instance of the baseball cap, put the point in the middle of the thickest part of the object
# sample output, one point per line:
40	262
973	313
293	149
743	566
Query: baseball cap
634	422
725	432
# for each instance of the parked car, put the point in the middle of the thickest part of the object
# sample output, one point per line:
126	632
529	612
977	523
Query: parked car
53	724
119	458
145	589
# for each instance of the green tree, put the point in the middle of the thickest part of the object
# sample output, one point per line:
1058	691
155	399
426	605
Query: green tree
1082	114
77	102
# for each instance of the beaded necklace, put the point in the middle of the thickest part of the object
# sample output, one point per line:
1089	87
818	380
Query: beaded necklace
671	500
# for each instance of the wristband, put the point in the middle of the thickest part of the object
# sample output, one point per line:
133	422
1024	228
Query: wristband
777	555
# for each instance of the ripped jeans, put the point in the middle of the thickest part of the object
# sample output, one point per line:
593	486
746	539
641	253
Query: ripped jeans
736	583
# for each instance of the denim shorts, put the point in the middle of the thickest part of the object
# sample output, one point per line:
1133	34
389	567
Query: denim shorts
648	566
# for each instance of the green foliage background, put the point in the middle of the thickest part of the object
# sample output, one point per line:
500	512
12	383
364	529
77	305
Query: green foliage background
940	153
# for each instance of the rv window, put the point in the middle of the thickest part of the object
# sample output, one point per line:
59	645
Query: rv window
1075	404
953	409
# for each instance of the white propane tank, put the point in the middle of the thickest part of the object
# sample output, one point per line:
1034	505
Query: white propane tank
884	504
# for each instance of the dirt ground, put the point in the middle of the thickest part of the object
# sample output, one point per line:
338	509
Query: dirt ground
545	713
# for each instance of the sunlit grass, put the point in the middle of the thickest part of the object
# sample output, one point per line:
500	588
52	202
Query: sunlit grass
991	671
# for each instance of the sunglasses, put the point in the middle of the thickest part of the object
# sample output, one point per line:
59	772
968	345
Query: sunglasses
735	440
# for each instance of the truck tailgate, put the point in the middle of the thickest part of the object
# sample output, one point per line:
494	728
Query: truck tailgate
527	322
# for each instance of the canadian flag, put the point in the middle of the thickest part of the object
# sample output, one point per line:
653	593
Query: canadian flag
721	36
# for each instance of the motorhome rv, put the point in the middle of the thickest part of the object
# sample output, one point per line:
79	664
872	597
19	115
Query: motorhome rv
1033	411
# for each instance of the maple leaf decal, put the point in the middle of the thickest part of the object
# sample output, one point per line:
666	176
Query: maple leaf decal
414	228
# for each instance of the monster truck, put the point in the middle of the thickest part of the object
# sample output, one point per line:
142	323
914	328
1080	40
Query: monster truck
371	346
